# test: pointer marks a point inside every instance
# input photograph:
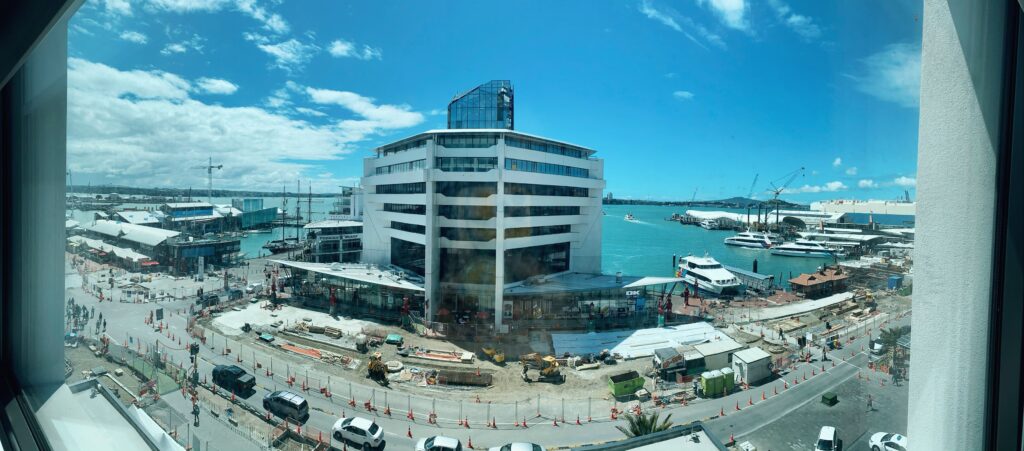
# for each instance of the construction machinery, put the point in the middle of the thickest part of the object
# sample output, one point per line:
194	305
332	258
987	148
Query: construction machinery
547	367
495	355
377	370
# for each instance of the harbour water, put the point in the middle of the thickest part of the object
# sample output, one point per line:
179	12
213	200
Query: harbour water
642	248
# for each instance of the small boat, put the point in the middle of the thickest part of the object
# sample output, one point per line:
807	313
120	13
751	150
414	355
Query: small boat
808	248
629	217
287	244
757	240
706	274
709	224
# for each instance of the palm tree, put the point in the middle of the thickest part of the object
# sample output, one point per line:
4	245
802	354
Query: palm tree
889	338
644	424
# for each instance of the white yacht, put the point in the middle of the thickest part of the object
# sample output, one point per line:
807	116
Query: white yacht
757	240
708	275
709	224
807	248
629	217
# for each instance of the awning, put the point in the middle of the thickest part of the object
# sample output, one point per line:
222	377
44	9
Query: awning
654	281
150	263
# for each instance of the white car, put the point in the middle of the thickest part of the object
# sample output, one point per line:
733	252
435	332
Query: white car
827	440
519	446
885	441
438	443
360	431
254	287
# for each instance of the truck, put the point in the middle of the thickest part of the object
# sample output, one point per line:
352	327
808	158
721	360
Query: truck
233	379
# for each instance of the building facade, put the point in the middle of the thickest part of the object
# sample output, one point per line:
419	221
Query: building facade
334	240
489	105
478	211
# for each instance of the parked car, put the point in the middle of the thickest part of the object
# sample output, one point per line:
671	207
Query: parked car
254	287
234	294
438	443
885	441
519	446
359	430
286	404
828	440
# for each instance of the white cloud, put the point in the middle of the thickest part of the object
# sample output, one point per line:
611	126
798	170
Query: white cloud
905	181
826	188
216	86
852	170
195	43
134	36
437	112
867	183
376	118
271	21
682	95
291	54
837	162
648	10
121	7
670	75
800	24
185	6
341	48
731	12
893	75
310	112
141	128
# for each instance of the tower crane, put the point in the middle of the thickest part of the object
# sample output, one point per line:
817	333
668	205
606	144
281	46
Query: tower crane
209	177
776	190
751	191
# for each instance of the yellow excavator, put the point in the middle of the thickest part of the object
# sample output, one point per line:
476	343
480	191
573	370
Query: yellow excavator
495	355
547	366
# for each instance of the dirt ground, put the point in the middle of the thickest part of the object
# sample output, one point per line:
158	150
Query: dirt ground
82	359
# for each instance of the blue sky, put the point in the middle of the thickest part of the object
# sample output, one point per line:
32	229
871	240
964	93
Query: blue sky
675	96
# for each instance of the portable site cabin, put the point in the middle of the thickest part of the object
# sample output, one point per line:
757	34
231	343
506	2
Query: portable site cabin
752	365
668	362
718	353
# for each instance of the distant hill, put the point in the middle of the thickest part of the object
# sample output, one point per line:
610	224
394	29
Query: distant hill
732	202
199	192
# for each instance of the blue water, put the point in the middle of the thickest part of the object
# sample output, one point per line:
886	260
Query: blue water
646	248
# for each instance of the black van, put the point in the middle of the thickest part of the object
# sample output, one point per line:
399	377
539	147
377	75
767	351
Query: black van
233	379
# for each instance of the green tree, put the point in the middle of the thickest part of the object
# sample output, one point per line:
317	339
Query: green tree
644	424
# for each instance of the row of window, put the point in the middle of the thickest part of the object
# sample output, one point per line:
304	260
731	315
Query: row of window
518	212
474	212
523	263
522	232
403	188
556	149
529	189
468	234
412	228
467	266
467	189
466	164
402	167
408	255
410	209
545	168
403	147
467	141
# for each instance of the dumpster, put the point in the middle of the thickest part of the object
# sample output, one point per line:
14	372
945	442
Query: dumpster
895	282
625	384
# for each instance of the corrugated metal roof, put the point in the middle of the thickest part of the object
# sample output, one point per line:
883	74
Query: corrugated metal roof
718	347
150	236
752	354
331	223
354	271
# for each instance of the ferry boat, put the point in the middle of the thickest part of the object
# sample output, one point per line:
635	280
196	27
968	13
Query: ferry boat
807	248
709	224
629	217
706	274
757	240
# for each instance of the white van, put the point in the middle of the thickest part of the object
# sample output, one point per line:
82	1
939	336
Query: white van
254	287
827	440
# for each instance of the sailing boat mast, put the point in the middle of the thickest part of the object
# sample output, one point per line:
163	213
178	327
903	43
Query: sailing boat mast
284	211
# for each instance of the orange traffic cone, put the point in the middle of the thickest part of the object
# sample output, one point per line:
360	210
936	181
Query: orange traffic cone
721	412
408	432
737	405
750	401
578	421
470	443
554	423
763	397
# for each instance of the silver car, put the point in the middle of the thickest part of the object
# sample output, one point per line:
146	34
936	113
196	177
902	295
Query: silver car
519	446
439	443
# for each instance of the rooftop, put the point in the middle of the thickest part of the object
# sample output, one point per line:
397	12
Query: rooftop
189	205
118	251
688	437
360	272
330	223
488	130
751	354
825	275
720	346
575	281
139	216
149	236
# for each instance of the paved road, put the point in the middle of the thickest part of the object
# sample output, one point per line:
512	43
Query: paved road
126	320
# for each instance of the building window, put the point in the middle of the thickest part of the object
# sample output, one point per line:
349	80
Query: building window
391	150
545	168
518	212
467	189
408	255
474	266
526	262
527	189
402	188
461	141
466	164
412	228
401	167
468	233
409	209
473	212
520	232
539	146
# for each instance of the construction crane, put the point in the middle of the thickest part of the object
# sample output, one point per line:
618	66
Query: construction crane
694	197
209	177
777	189
751	191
